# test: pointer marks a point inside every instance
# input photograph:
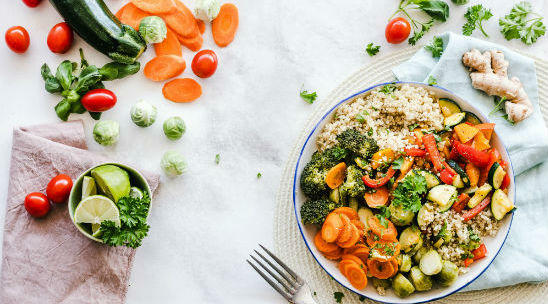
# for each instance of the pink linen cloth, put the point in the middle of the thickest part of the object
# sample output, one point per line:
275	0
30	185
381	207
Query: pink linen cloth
48	260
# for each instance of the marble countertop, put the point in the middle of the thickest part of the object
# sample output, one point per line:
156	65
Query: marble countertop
205	223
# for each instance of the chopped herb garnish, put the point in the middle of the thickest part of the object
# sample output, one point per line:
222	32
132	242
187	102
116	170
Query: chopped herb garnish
397	163
388	89
370	131
432	80
383	216
259	175
443	230
308	97
374	108
360	116
413	127
372	50
217	159
338	296
409	192
436	47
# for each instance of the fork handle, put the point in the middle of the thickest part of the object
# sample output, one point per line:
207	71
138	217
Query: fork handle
304	296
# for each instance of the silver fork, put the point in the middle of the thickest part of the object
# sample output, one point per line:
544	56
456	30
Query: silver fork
292	287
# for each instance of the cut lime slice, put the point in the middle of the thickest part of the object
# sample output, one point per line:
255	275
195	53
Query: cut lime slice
112	181
95	230
88	187
136	193
96	209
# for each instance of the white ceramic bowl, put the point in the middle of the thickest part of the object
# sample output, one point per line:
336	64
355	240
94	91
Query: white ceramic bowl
493	244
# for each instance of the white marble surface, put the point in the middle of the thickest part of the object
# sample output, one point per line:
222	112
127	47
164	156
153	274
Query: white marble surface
205	223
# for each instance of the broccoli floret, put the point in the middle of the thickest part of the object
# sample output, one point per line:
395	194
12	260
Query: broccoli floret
353	185
313	176
358	143
315	211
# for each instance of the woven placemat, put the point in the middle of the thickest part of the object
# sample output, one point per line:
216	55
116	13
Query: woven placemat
288	241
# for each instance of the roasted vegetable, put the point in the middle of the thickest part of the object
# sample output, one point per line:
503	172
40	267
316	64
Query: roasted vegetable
315	211
358	143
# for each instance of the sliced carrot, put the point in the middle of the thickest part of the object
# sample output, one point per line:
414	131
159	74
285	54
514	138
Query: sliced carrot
353	239
385	251
362	253
356	275
473	173
170	45
336	175
154	6
380	270
121	11
360	226
225	25
378	197
201	26
332	227
351	213
193	43
324	246
164	67
343	264
353	258
182	90
181	20
395	265
371	238
132	16
334	255
385	233
346	232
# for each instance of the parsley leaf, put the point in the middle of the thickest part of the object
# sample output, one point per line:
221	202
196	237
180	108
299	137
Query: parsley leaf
436	47
409	191
397	163
372	50
383	216
133	219
308	97
388	89
417	35
475	15
412	127
517	25
338	296
217	159
259	175
432	80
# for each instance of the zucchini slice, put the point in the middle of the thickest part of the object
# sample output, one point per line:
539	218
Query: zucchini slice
353	203
448	107
443	195
480	194
500	204
431	179
365	213
496	175
472	118
420	216
464	180
454	119
431	263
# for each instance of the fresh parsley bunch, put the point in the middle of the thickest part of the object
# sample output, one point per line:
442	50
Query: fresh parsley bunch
133	219
409	192
436	47
475	15
519	25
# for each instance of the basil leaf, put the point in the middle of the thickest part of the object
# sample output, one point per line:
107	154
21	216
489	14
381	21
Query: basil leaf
77	107
64	74
51	83
436	9
116	70
95	115
63	109
71	96
98	85
88	77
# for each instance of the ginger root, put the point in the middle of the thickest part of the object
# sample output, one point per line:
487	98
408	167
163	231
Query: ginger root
490	74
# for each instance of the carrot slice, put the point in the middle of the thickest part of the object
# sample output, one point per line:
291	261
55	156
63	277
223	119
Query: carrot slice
351	213
395	265
181	20
353	258
362	253
360	226
346	232
170	45
371	238
380	270
324	246
182	90
332	227
121	11
225	25
164	67
336	175
386	233
201	25
334	256
193	43
356	275
385	251
353	239
378	197
132	15
154	6
343	264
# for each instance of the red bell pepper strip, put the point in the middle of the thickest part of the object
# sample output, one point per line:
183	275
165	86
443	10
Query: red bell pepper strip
430	145
485	171
468	215
376	183
415	152
461	202
447	176
505	182
468	261
454	155
479	252
476	157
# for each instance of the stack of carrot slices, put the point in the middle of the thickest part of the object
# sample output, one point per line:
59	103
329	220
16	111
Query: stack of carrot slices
183	29
362	251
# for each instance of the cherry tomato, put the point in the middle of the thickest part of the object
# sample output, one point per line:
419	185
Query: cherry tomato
17	39
37	204
99	100
32	3
397	30
58	189
60	38
204	63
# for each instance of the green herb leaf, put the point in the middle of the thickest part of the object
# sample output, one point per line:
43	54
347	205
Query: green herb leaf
383	216
95	115
88	77
397	163
338	296
432	80
436	47
133	228
217	159
475	15
116	70
412	127
51	83
437	9
64	74
417	35
83	62
518	25
259	175
62	109
372	50
308	97
409	192
370	132
388	89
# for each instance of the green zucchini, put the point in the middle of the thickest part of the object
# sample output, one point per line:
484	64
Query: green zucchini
421	221
365	213
454	119
479	195
448	107
472	118
500	204
496	175
95	23
431	179
464	180
443	195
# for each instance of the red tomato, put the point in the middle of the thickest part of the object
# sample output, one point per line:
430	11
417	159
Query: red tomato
60	38
204	63
99	100
17	39
59	187
37	204
32	3
397	30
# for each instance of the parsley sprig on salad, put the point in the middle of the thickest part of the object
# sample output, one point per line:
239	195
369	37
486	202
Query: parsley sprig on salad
409	192
519	24
133	219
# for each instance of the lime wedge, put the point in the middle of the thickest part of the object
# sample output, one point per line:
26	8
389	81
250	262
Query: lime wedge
112	181
136	193
96	209
95	230
88	187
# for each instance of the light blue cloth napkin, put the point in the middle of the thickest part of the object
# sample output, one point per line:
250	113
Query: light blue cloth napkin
524	256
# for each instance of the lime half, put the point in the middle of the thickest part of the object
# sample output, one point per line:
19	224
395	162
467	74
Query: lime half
88	187
112	181
95	230
95	209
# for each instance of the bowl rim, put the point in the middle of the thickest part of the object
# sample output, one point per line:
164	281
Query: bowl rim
296	172
129	169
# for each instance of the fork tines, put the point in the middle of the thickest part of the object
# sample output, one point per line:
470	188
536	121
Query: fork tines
289	281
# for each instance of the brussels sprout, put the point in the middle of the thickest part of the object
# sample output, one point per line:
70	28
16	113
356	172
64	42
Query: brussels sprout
153	29
106	132
174	127
402	286
173	163
143	114
207	10
448	274
418	255
430	263
404	262
421	281
380	283
411	239
399	216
